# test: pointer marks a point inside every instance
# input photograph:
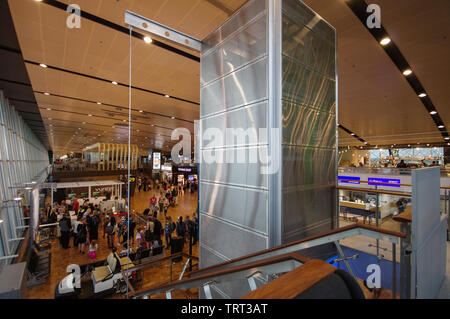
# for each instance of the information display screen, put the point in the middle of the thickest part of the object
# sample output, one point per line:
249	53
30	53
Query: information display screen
157	161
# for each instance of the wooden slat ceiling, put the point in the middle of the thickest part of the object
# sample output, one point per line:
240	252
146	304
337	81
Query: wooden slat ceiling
375	100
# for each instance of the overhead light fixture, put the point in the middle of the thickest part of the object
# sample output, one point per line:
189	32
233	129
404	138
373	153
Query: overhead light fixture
173	117
407	72
99	103
166	95
148	40
89	114
353	134
114	82
433	112
447	138
409	145
43	65
441	126
49	109
385	41
46	93
422	94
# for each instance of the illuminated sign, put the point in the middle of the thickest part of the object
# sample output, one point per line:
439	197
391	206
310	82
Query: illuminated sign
166	167
184	169
156	160
348	179
386	182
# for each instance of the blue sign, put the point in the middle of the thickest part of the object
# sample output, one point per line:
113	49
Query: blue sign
386	182
352	178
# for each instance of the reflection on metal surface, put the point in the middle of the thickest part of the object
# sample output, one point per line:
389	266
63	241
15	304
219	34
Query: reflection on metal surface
309	122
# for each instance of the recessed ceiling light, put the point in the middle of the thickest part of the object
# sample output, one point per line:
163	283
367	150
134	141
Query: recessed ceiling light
43	65
49	109
89	114
166	95
407	72
79	128
353	134
385	41
124	120
428	144
50	125
99	103
366	143
447	138
141	111
422	94
148	40
409	145
46	93
173	117
441	126
84	122
114	82
433	112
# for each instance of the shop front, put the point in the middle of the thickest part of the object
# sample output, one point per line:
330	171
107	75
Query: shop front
185	175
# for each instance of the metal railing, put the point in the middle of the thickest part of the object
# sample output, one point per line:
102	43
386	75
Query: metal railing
238	268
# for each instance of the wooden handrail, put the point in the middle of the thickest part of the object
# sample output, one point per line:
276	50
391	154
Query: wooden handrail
250	265
373	191
324	234
405	217
295	282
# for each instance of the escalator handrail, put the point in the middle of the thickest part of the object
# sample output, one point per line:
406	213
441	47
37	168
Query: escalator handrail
324	234
168	286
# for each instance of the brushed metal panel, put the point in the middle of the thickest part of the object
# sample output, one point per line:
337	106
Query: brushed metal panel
245	86
307	126
239	19
207	258
302	14
243	47
307	86
244	174
252	116
308	166
229	240
306	47
304	208
243	206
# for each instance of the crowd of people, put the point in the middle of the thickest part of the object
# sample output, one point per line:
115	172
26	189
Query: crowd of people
146	232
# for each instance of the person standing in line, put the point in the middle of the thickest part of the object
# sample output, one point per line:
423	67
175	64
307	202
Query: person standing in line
168	230
65	227
189	228
82	235
139	184
75	224
181	228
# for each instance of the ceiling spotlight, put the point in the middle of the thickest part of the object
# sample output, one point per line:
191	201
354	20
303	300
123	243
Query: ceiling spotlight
46	93
141	111
385	41
353	134
43	65
409	145
148	40
366	143
433	112
428	144
407	72
173	117
124	120
422	94
99	103
84	122
79	128
114	82
49	109
89	114
447	138
441	126
166	95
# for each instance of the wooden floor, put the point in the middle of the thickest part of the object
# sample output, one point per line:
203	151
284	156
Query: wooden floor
61	258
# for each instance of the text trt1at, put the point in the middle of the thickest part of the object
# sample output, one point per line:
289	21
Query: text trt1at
243	308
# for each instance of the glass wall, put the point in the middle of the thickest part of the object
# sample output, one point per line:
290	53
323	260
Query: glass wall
22	157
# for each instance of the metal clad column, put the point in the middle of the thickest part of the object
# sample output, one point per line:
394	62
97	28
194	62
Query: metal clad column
309	122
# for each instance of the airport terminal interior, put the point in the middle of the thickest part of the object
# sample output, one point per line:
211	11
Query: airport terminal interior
217	149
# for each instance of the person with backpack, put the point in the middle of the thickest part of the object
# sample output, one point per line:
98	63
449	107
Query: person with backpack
110	231
82	233
157	230
181	228
168	230
92	222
